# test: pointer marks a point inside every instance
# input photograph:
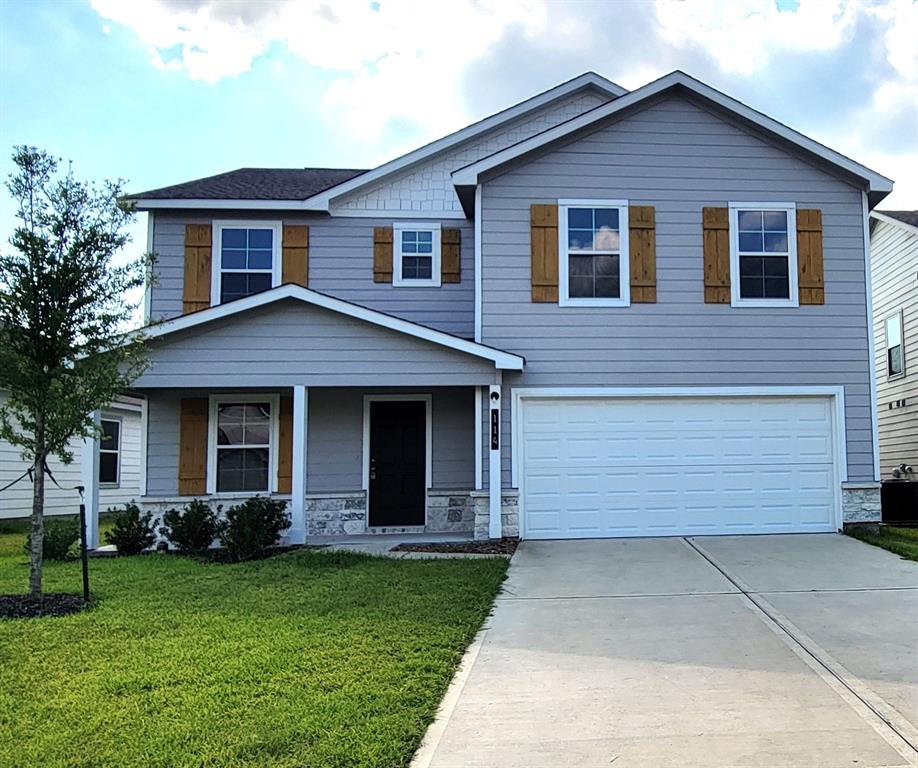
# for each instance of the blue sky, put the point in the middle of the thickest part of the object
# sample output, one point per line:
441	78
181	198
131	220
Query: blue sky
162	91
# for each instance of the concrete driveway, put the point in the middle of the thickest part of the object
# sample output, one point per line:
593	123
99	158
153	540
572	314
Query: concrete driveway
763	651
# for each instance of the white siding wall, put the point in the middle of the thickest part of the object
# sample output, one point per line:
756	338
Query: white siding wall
894	266
17	501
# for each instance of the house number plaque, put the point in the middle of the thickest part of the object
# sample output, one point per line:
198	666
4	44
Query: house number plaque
495	430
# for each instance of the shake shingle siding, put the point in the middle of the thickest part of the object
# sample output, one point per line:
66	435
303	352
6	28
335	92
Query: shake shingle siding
679	158
340	264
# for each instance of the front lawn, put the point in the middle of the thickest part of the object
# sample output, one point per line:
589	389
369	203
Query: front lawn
902	541
304	659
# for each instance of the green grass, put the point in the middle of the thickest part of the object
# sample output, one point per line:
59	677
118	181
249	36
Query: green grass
901	541
305	659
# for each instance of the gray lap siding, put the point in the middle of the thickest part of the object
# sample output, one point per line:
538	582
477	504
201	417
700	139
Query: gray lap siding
340	264
679	158
334	440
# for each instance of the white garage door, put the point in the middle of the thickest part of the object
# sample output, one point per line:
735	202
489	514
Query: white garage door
594	467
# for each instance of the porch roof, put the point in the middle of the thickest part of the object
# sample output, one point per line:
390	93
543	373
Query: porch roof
291	335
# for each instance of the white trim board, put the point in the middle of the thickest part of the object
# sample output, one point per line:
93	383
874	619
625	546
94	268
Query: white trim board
871	341
518	394
425	398
880	216
470	174
501	359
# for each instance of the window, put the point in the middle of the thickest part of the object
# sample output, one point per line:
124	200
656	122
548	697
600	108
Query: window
242	439
416	254
110	452
763	255
247	259
895	353
593	248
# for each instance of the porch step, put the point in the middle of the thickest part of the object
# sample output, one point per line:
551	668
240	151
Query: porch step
396	529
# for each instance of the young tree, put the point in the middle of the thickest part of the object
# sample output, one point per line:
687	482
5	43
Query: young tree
63	314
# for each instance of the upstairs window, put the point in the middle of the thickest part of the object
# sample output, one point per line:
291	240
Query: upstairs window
763	255
247	259
593	251
895	353
416	254
110	452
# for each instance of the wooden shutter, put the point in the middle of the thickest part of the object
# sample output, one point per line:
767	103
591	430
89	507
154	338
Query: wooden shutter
382	255
810	276
716	226
543	221
196	291
193	447
642	246
285	446
295	261
450	267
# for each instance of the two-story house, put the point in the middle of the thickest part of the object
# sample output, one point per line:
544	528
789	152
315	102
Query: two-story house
596	313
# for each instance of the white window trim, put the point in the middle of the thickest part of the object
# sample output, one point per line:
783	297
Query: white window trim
117	451
793	291
897	314
421	226
217	248
214	401
624	267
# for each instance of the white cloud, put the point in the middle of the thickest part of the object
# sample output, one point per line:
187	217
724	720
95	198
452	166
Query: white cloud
406	62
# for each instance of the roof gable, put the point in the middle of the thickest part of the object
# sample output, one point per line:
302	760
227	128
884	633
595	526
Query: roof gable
878	186
501	359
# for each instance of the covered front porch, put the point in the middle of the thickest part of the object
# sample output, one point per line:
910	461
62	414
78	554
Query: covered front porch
363	423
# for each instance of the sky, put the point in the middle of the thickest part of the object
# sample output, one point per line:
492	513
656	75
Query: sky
162	91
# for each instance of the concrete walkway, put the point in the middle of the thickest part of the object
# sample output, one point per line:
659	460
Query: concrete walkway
726	652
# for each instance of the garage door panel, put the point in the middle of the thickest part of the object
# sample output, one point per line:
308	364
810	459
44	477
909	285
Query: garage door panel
595	467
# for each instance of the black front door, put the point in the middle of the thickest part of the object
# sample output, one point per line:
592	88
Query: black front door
398	451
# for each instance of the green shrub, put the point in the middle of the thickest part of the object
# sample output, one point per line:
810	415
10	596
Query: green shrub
192	528
61	533
253	526
131	531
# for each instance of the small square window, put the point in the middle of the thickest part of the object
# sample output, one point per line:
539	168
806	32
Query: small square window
416	255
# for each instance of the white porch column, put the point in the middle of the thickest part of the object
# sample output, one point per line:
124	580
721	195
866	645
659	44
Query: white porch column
89	470
297	534
494	473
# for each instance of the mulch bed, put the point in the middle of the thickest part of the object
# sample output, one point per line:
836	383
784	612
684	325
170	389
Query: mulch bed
504	546
50	604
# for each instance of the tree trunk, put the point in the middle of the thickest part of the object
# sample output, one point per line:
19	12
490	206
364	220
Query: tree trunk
36	550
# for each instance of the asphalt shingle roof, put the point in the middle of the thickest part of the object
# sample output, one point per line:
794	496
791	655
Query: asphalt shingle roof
254	184
909	217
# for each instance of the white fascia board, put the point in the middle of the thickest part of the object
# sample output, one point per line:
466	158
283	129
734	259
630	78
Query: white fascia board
146	204
323	199
896	222
502	360
469	176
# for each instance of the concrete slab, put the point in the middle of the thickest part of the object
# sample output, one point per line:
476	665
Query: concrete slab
610	567
676	669
819	561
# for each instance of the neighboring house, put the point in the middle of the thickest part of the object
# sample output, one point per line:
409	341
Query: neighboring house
118	467
598	313
894	267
